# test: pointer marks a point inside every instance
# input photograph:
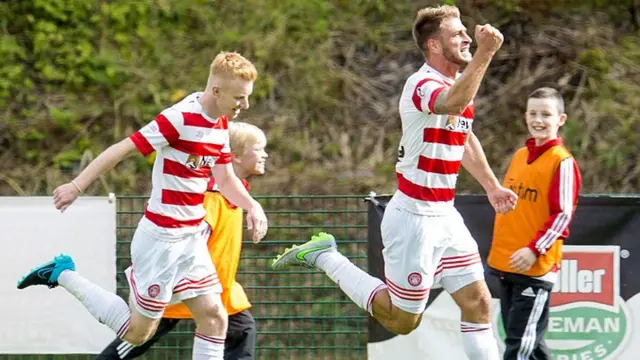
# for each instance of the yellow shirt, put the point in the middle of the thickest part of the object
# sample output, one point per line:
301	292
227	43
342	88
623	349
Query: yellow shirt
225	244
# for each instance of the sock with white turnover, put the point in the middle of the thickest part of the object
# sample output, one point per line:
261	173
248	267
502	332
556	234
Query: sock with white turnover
108	308
357	284
479	342
208	347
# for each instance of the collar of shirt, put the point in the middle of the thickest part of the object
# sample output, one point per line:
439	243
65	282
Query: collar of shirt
536	151
199	107
449	81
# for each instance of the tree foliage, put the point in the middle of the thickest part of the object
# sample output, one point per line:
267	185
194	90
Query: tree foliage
78	75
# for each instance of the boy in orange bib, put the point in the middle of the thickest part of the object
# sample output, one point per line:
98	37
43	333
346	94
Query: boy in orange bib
527	243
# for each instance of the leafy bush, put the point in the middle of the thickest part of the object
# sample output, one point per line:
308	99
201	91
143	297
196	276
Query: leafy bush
79	75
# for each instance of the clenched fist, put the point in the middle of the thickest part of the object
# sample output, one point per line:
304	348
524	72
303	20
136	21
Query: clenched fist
489	39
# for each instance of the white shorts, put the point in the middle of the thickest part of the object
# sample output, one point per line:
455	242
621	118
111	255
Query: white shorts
421	251
165	272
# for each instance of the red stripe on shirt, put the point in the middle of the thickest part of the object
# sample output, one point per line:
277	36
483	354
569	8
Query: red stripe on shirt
175	168
141	143
418	192
198	148
193	119
442	136
438	166
169	222
433	98
224	158
172	197
469	111
417	99
167	129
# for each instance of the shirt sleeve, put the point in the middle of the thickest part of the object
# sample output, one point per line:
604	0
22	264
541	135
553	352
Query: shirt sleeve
563	196
225	151
162	131
425	93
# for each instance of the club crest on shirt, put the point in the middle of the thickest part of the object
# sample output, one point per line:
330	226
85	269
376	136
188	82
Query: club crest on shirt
451	122
195	162
456	123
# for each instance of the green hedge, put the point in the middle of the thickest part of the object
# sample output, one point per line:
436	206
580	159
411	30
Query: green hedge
78	75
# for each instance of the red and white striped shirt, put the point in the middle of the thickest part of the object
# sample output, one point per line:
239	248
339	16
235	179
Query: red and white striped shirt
188	144
431	146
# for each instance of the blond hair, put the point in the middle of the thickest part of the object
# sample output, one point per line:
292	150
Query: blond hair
233	65
243	136
428	20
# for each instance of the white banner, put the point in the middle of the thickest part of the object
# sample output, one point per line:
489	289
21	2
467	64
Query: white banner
38	320
588	319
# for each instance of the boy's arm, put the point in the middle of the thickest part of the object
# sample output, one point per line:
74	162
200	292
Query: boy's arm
563	195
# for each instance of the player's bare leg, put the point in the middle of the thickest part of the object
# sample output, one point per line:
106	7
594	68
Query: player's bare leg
391	317
211	326
368	292
474	301
141	327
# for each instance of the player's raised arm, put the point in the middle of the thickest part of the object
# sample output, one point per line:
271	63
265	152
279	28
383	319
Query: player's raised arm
153	136
65	194
453	100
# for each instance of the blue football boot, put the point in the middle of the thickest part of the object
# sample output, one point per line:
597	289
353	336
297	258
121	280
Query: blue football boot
47	274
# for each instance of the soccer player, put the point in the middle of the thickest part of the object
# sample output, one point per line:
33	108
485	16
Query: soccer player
527	243
425	239
170	262
248	157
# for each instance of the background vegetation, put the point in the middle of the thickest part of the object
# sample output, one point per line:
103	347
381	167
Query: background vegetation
78	75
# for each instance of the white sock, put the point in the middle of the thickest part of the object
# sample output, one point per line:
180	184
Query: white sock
106	307
208	347
478	341
357	284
